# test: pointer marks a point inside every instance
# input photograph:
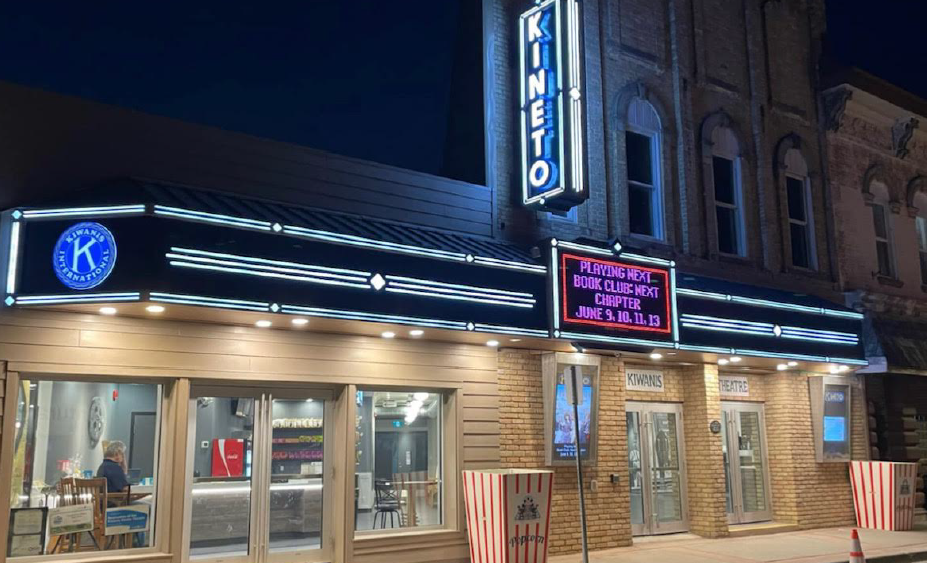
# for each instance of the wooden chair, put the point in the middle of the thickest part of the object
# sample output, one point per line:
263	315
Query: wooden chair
73	491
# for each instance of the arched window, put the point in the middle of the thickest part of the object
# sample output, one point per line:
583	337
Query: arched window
801	212
881	222
920	202
728	192
642	147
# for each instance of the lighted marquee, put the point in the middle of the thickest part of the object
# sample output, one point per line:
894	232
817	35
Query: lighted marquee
602	295
550	39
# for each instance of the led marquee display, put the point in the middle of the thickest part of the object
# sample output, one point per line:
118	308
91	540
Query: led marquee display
553	175
614	295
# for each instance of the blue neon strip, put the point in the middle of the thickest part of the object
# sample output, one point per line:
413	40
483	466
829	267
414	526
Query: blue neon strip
459	297
277	275
707	320
708	349
70	298
767	303
372	317
555	286
83	211
818	332
510	330
236	257
267	268
674	305
209	301
614	339
13	263
489	291
211	218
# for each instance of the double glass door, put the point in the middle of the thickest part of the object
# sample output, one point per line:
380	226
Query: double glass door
746	471
258	476
657	474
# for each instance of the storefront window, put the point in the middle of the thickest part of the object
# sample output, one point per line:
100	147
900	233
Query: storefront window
399	482
85	467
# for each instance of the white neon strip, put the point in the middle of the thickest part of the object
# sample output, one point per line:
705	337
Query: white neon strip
674	305
709	349
821	339
776	304
703	294
372	243
80	211
445	291
209	301
585	248
576	105
13	263
849	361
211	218
277	275
772	304
459	297
722	328
845	314
555	286
83	298
372	317
614	339
782	355
501	293
307	267
510	265
646	259
721	321
818	332
511	330
549	193
303	272
524	116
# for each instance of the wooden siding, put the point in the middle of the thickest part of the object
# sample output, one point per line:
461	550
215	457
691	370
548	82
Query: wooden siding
64	343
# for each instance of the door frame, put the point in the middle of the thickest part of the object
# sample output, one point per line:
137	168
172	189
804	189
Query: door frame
261	446
733	410
645	412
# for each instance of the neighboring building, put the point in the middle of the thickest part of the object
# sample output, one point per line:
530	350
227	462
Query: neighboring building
877	158
420	326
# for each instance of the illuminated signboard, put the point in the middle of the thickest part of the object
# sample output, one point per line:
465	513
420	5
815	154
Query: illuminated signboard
614	296
563	442
553	171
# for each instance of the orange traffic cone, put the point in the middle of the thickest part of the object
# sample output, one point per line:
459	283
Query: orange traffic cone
856	552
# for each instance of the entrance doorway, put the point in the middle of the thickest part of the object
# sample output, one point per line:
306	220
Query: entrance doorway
746	466
657	473
257	475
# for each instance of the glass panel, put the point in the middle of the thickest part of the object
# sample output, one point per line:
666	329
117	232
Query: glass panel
399	464
923	267
635	476
729	500
724	180
752	472
799	238
639	164
87	444
922	233
297	456
796	192
640	210
885	259
878	221
221	495
727	230
667	481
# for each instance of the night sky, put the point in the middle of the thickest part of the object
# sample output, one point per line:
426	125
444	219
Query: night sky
365	78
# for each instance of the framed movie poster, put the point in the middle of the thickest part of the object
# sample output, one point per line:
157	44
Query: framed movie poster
559	424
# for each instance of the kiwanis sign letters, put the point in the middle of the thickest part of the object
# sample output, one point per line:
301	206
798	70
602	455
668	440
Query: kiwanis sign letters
649	380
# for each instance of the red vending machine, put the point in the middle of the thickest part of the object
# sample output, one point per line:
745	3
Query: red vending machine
228	457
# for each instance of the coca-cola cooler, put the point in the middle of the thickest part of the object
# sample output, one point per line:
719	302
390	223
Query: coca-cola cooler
228	457
884	493
508	514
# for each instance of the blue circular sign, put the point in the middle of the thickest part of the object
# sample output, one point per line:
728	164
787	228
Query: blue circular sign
84	255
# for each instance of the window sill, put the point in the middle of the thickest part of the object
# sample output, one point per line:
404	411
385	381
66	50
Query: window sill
117	556
400	537
889	281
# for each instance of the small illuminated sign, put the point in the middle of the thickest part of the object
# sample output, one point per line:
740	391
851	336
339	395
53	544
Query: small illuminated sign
553	171
84	255
614	295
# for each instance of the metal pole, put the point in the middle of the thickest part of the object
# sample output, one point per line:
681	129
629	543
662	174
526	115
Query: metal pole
579	463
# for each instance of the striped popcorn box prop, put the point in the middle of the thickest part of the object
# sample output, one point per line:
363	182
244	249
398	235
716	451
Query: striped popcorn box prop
508	514
884	493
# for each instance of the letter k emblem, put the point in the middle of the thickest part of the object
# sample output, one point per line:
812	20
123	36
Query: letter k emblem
84	250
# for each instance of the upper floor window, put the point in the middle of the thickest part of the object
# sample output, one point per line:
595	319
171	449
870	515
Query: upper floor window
728	192
882	230
801	217
920	202
642	147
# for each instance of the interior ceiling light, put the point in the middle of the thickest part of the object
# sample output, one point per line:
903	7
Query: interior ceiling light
736	359
792	364
782	367
492	343
263	323
514	339
155	309
656	356
416	333
388	334
300	321
723	362
107	310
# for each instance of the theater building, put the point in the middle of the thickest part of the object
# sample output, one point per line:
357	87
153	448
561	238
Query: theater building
300	352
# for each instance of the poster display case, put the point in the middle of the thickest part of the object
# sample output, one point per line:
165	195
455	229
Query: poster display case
559	429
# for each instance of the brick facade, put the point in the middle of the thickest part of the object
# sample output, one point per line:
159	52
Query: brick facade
804	493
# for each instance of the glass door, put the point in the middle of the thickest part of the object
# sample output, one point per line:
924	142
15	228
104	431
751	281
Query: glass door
656	468
256	476
746	469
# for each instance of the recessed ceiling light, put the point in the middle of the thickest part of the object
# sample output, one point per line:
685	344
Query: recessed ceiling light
263	323
671	353
656	356
388	334
154	309
514	339
792	364
300	321
416	333
492	343
723	362
782	367
107	310
842	369
736	359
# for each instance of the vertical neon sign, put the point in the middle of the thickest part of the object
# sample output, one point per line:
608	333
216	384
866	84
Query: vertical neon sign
553	167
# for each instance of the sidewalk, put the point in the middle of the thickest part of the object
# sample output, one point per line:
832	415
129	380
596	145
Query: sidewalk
826	545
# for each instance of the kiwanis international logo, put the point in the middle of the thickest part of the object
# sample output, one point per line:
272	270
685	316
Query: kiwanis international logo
84	255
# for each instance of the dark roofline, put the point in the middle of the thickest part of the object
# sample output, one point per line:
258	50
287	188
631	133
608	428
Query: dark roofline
859	78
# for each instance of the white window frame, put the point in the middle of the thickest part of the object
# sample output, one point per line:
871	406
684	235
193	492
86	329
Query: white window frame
807	225
643	120
887	239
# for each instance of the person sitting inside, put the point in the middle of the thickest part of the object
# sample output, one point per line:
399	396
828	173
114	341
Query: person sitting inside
113	467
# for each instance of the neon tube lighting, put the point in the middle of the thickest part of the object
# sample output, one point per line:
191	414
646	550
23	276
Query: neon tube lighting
373	243
674	305
277	275
555	275
307	272
510	265
78	211
585	248
446	291
13	263
708	349
822	332
269	262
719	320
459	297
373	317
510	330
454	286
767	303
68	298
614	339
646	259
212	218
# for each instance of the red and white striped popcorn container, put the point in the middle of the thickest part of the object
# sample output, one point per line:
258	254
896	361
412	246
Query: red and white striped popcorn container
884	494
508	514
